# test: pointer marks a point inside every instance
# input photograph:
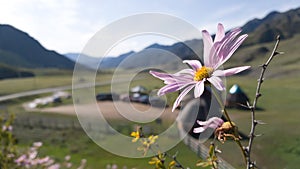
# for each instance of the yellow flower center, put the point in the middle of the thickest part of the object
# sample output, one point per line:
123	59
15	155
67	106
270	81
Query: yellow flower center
203	72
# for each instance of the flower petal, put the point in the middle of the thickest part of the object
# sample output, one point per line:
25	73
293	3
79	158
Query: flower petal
237	43
199	89
178	77
220	34
213	122
216	120
231	35
208	43
173	87
200	129
229	72
160	75
228	45
217	82
195	64
181	95
185	72
215	54
220	49
169	88
230	48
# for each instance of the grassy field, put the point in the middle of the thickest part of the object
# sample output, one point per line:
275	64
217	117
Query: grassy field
279	145
9	86
61	139
277	148
43	80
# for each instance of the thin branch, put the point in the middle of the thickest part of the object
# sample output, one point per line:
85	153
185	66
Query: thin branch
224	111
254	123
174	157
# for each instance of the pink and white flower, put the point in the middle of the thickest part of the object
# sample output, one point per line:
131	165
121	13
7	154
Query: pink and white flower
214	122
215	54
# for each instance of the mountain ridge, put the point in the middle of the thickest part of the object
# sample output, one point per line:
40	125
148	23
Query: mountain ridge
19	49
286	24
260	31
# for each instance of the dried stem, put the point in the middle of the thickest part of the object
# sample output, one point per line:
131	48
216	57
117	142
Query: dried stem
229	120
174	157
254	122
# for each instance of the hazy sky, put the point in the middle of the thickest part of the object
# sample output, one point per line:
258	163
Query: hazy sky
67	25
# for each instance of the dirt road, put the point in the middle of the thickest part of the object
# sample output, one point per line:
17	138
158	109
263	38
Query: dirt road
119	110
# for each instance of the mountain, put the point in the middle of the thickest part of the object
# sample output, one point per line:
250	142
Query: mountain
113	62
258	45
152	55
88	61
10	72
263	30
18	49
169	56
108	62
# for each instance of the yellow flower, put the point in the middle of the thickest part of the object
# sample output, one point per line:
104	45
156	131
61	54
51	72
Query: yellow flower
152	139
211	160
136	134
146	143
172	164
158	161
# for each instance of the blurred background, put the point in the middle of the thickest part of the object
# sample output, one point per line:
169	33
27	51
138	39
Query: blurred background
41	40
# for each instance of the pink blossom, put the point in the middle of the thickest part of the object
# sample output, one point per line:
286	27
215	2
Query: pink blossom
213	122
37	144
216	53
49	162
21	159
7	128
44	160
54	166
32	155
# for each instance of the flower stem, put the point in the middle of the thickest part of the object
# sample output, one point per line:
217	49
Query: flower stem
229	120
222	105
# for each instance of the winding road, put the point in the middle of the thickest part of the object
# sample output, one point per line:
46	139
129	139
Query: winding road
55	89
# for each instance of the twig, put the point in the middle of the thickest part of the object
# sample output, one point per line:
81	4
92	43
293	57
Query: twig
224	111
250	163
174	157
